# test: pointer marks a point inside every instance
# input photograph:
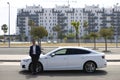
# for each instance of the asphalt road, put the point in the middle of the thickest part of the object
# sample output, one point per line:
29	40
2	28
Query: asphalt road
14	72
21	51
25	50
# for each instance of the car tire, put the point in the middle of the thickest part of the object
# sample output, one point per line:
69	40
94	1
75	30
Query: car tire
39	67
90	67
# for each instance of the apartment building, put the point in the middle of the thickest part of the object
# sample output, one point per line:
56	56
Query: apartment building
64	15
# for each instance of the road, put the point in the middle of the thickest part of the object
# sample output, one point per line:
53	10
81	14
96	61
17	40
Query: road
25	50
21	51
14	72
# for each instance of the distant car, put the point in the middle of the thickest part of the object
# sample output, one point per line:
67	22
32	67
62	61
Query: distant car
1	41
68	58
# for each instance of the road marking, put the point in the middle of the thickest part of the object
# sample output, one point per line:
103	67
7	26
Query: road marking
10	63
113	63
18	63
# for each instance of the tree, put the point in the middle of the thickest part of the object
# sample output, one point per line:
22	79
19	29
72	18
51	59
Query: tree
76	26
94	35
39	33
86	38
111	37
85	25
22	36
1	37
50	37
31	23
105	33
58	30
4	28
70	36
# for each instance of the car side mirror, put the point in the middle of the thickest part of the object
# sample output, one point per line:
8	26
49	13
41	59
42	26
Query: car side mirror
52	55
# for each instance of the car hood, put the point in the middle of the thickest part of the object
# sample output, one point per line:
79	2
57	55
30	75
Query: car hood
28	57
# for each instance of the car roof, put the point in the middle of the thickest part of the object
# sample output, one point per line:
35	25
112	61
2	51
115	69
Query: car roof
74	47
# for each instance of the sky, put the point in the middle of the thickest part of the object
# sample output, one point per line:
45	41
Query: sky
16	4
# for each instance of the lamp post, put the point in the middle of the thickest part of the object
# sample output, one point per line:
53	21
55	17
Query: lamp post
9	21
117	26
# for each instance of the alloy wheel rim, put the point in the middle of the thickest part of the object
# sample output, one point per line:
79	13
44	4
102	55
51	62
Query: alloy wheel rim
90	67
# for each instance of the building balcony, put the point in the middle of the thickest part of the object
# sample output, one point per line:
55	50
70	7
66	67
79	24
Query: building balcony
86	11
103	24
56	11
63	24
70	11
100	11
42	11
91	14
104	18
105	14
107	21
116	11
63	18
61	14
91	20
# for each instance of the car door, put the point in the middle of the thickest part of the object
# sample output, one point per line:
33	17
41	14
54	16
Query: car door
57	60
77	58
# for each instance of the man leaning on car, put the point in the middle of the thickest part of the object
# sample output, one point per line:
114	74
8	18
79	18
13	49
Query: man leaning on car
34	53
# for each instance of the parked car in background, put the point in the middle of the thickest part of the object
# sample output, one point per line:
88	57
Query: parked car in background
0	40
68	58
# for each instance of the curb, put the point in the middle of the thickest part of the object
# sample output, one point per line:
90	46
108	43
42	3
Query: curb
10	60
113	60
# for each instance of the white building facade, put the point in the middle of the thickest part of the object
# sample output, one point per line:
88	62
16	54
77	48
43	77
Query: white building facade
50	17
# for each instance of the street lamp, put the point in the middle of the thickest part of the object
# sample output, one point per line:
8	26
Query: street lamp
9	21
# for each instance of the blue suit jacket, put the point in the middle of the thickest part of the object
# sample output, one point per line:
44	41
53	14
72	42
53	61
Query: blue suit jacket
38	51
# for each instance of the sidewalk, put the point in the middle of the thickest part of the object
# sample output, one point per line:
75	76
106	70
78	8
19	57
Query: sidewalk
16	54
17	58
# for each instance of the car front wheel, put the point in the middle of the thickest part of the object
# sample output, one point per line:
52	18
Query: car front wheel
90	67
39	67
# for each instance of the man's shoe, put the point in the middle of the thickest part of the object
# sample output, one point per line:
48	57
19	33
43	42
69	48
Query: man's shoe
33	73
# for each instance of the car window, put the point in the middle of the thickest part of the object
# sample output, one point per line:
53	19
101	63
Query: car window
77	51
61	52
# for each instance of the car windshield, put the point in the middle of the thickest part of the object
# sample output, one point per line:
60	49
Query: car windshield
47	49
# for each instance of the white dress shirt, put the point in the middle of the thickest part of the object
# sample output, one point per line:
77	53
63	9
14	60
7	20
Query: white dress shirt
34	49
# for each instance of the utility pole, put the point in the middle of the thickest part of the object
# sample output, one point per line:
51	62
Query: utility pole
9	21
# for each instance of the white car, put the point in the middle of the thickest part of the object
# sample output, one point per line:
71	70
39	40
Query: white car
68	58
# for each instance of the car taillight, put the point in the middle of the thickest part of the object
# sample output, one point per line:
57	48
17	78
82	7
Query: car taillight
103	57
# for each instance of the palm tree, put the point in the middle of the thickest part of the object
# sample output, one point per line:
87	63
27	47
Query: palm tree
105	33
58	30
94	35
76	26
85	25
4	28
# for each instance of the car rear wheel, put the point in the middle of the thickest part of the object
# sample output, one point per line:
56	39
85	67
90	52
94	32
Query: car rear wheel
39	67
90	67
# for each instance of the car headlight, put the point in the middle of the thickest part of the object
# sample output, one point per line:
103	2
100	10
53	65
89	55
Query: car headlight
26	60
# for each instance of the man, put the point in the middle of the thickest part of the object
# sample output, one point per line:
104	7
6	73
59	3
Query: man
34	53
